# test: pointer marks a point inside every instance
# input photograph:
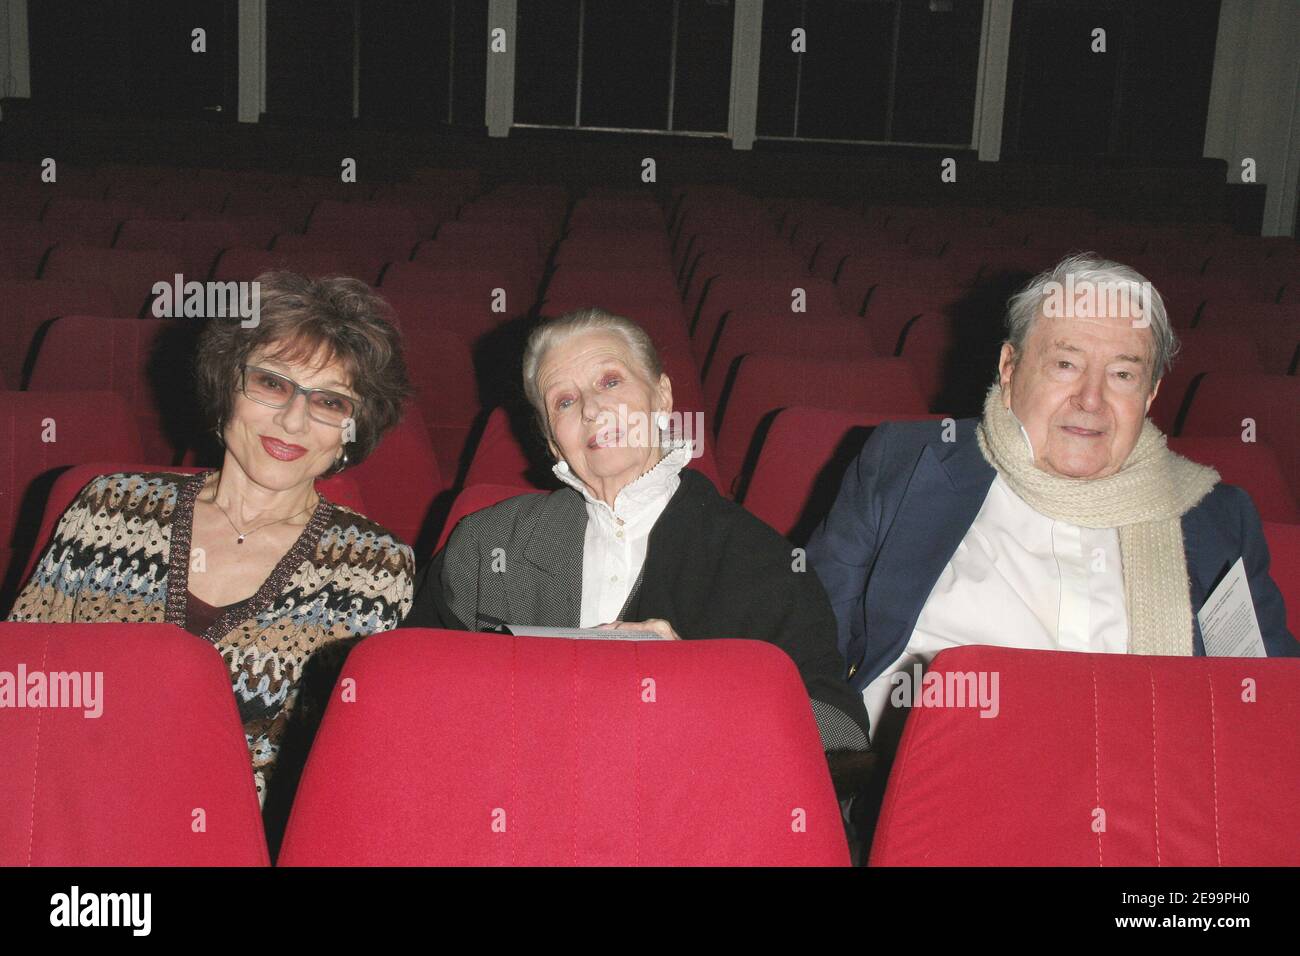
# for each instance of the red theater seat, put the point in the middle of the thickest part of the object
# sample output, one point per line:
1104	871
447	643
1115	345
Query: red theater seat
1099	760
764	383
798	472
1284	567
144	360
195	244
485	749
84	426
1223	401
442	371
129	274
1253	466
160	778
401	478
26	305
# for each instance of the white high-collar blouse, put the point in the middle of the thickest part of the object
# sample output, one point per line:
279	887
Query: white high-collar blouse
617	538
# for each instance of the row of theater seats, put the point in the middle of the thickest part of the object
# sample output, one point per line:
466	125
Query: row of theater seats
712	274
446	748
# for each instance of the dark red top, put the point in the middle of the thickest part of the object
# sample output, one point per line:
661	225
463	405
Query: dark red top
200	615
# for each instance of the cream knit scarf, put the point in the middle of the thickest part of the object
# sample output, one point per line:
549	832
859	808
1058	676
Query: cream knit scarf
1145	500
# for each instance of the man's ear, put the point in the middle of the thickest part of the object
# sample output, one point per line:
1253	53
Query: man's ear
1006	365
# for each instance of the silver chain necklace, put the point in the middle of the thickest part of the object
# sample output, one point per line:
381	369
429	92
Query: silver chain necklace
245	534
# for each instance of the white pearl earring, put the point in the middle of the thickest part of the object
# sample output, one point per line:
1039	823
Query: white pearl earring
662	421
562	465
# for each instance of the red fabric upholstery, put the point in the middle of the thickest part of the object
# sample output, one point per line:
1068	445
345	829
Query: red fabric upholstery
765	382
759	296
803	335
241	264
1284	567
499	458
144	360
89	222
1223	400
86	426
558	744
130	275
126	788
195	244
801	463
401	478
340	489
475	498
1200	350
408	281
26	305
1185	771
1252	466
442	371
22	247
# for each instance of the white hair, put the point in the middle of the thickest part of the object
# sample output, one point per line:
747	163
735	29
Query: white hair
550	333
1026	306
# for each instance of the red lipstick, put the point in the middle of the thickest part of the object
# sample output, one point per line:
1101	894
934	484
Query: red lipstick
282	451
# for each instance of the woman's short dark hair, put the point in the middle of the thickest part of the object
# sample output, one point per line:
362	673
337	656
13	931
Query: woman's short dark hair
302	318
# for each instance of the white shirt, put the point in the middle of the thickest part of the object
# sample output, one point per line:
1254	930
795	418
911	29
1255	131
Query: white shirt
614	548
1017	579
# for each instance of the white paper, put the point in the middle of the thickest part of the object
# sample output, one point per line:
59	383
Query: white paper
1229	626
584	633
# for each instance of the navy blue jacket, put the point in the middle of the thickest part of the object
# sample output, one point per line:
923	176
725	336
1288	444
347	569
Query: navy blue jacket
908	500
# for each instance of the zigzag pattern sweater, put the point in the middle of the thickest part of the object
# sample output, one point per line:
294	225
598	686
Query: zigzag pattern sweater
121	553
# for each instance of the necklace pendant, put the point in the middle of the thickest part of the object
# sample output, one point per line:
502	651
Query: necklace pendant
241	540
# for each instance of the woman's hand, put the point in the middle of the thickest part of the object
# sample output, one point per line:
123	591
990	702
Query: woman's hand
656	624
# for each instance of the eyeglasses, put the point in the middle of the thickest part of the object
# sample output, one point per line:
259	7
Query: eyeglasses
271	388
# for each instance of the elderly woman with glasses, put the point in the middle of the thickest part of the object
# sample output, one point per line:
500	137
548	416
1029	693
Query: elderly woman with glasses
251	556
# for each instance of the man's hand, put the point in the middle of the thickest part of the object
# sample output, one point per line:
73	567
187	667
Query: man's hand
656	624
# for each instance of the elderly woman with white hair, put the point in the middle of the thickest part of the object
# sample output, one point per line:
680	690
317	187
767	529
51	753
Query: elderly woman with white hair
634	540
1059	520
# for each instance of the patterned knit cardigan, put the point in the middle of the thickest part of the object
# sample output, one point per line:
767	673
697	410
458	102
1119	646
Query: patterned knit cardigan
121	553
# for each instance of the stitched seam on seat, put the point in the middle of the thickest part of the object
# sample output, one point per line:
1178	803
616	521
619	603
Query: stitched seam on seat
1155	777
36	762
1096	745
1214	773
514	749
636	756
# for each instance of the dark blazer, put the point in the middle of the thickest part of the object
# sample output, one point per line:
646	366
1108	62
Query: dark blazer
711	570
908	500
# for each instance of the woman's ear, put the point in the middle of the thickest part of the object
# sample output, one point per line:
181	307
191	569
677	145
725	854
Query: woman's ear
665	395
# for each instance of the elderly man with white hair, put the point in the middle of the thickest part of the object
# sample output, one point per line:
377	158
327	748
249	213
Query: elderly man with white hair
1058	520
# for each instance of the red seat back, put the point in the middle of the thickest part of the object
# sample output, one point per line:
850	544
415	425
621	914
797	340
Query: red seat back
160	777
1224	401
401	478
617	753
801	463
764	382
1098	760
144	360
40	433
1253	466
1284	567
